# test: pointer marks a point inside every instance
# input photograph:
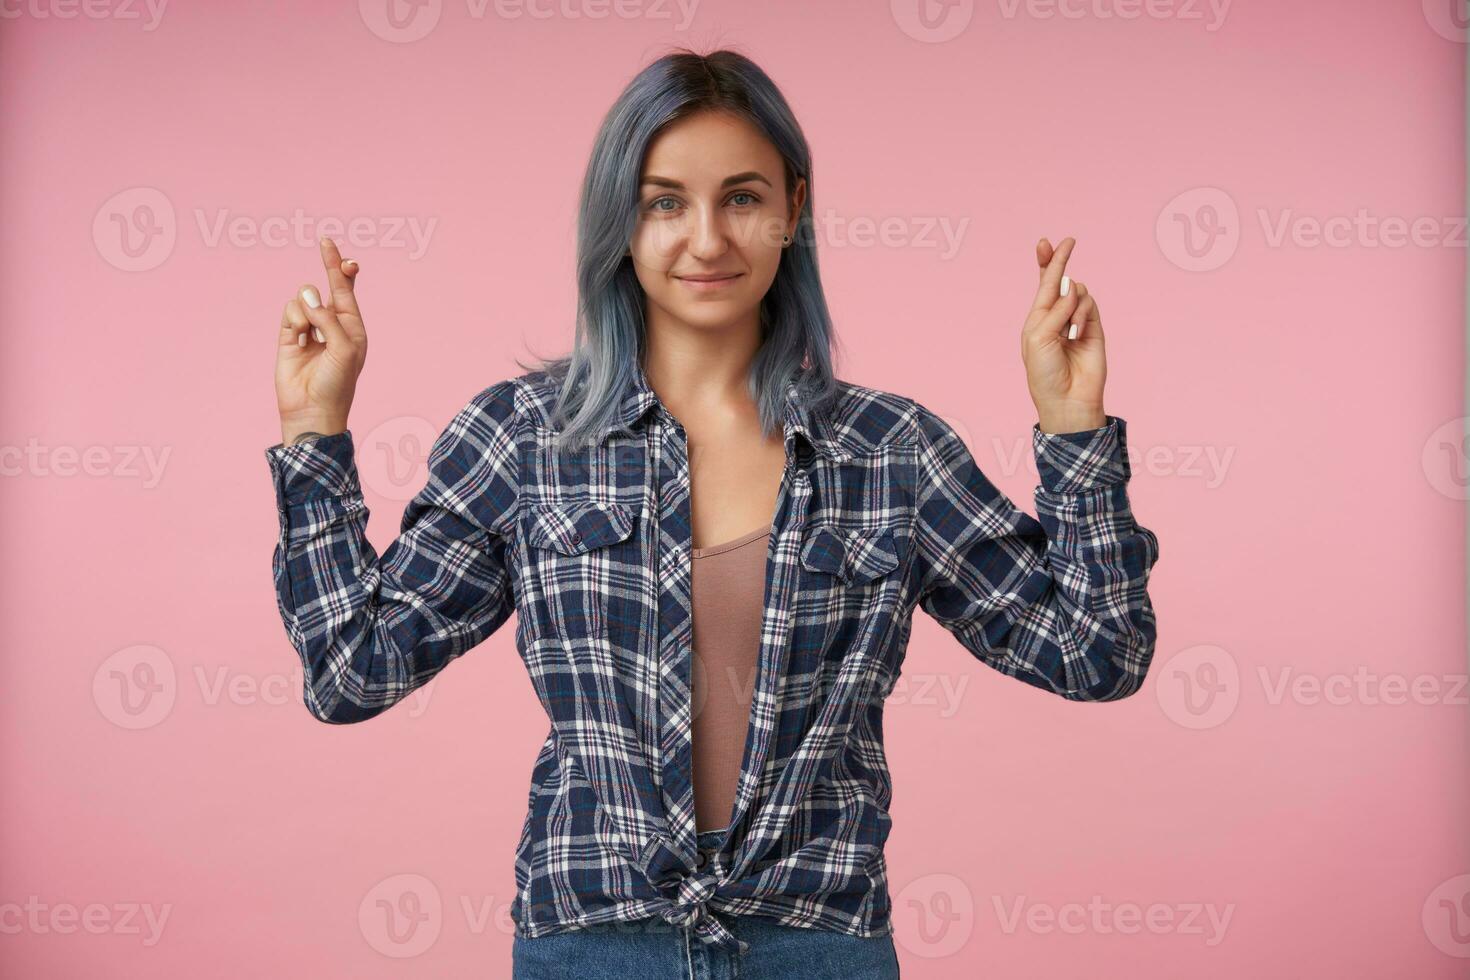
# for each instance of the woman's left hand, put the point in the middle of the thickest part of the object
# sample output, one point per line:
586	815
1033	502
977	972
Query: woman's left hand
1065	375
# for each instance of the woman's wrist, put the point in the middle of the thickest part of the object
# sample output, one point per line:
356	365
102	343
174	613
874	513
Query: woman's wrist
300	430
1078	419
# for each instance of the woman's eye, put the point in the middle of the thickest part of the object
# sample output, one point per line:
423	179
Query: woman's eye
654	205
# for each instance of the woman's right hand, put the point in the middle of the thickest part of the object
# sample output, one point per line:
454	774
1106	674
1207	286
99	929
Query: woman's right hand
321	350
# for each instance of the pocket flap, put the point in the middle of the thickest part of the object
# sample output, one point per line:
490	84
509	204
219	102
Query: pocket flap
576	528
853	556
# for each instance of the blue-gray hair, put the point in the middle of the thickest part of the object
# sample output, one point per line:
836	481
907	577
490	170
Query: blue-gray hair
608	343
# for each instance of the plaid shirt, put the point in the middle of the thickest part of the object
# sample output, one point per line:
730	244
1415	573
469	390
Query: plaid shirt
881	508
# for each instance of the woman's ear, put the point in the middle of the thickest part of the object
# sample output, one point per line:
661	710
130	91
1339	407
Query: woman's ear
798	198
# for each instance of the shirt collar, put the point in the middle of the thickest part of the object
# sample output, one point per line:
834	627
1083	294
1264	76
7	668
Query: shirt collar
797	417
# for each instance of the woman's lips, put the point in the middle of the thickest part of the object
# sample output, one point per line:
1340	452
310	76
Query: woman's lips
709	285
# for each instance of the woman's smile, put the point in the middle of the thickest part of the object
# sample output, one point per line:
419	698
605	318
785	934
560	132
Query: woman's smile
704	283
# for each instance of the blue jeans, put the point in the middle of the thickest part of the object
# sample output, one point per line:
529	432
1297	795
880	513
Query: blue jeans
652	949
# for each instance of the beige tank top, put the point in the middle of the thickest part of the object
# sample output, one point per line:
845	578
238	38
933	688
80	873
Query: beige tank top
729	592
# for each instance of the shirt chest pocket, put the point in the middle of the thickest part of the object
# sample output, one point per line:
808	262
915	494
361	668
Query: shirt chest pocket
580	557
854	559
846	581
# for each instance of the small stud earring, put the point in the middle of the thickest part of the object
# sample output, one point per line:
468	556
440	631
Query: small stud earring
785	240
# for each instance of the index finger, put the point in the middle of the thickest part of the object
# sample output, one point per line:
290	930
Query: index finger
344	300
1051	276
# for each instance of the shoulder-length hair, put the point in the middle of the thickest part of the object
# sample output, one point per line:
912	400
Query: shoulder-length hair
608	343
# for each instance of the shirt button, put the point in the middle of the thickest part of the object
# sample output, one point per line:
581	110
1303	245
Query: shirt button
700	860
576	537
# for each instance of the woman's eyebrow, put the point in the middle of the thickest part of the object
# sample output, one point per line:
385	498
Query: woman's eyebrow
728	181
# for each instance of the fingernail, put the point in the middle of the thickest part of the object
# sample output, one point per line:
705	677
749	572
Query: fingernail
1072	332
301	340
317	333
1066	285
312	300
352	262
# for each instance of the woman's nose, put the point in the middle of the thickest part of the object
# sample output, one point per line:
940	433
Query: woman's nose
708	236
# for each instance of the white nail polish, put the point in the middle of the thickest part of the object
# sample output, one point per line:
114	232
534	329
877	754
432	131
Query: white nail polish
317	333
301	340
1066	285
1072	332
310	296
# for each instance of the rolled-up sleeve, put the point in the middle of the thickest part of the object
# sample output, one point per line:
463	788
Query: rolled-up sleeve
1060	602
370	630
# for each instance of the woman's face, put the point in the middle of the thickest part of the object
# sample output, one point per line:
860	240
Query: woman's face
711	214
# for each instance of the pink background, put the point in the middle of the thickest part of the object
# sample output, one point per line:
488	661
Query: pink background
156	755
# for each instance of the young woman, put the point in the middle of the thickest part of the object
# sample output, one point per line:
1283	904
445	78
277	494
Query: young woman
714	549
